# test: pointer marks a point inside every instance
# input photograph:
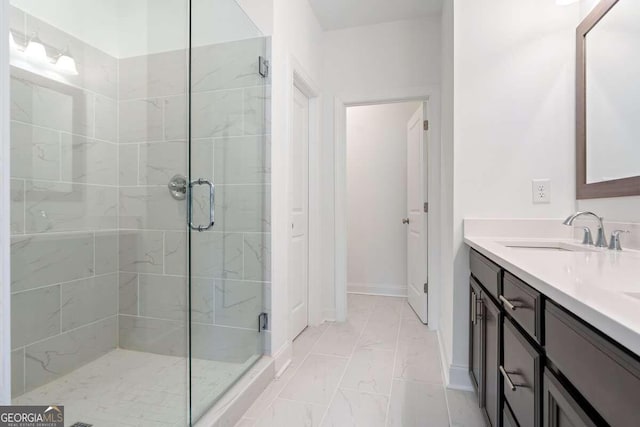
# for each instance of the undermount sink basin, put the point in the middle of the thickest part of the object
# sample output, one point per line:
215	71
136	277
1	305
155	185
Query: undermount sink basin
547	246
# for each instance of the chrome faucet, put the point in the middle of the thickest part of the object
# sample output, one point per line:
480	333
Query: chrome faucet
614	243
601	241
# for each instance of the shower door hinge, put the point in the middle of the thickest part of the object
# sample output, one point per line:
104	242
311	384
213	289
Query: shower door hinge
263	66
426	288
425	124
263	322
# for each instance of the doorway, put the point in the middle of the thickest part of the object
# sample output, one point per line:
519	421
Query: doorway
387	201
299	240
304	292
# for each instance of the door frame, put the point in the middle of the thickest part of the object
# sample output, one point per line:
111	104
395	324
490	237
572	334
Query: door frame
431	96
300	79
5	200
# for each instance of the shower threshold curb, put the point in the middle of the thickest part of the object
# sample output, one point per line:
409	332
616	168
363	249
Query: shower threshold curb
232	406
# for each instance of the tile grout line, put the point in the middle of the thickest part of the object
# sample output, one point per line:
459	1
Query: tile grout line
92	323
68	282
446	402
444	388
395	360
346	368
293	373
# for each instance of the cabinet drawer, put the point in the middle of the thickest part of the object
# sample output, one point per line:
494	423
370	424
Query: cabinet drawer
487	273
521	376
606	376
508	419
523	304
560	408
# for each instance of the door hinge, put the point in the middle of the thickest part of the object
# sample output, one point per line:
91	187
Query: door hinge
426	288
263	322
426	207
263	66
426	125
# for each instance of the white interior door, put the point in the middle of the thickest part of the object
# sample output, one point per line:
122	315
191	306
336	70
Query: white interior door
299	261
416	221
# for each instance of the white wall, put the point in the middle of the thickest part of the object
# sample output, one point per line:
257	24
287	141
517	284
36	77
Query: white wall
587	6
377	197
513	122
381	57
446	187
383	62
260	12
94	22
124	28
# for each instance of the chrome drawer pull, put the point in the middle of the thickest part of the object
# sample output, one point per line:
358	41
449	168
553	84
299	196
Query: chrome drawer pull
475	315
474	305
510	383
508	303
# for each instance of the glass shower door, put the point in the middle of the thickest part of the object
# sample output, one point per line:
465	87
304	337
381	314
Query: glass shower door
99	281
121	311
229	146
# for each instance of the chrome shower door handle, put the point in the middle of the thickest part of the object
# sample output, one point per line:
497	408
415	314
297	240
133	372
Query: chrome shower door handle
212	199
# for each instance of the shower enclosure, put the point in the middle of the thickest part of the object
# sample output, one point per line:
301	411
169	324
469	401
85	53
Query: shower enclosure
140	210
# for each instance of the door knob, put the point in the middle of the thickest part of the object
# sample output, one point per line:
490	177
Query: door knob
405	220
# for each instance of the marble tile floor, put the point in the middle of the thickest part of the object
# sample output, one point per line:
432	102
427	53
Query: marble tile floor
129	388
380	368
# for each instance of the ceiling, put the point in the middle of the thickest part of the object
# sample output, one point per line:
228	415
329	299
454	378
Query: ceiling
337	14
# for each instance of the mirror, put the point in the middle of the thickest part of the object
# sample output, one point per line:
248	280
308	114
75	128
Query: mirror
608	101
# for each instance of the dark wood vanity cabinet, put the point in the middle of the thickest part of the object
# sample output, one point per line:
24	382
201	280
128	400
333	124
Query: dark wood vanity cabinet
606	375
475	339
535	364
492	323
560	408
485	324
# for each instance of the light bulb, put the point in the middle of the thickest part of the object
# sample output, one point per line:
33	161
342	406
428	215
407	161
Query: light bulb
67	64
35	50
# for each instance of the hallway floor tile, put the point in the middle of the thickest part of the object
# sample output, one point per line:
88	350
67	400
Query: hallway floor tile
380	368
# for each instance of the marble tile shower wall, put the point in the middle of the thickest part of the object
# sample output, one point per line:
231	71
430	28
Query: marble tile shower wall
98	246
64	196
230	145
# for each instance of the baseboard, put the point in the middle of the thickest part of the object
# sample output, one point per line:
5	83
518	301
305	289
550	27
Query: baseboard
282	358
455	377
443	360
329	316
389	290
459	378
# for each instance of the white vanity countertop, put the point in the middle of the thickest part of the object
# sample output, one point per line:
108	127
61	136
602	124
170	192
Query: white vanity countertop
601	287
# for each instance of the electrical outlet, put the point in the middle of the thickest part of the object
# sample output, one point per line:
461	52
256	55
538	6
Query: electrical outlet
541	191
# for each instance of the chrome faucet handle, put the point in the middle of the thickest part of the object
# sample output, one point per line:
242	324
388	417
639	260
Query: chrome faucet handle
614	244
587	238
601	242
